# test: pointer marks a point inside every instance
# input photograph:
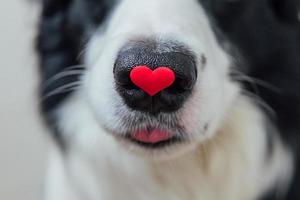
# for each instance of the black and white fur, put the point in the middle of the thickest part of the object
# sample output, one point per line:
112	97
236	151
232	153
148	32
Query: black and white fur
241	122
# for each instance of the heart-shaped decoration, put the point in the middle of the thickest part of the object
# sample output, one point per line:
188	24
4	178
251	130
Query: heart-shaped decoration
152	82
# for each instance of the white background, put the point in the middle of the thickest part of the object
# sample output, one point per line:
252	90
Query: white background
22	138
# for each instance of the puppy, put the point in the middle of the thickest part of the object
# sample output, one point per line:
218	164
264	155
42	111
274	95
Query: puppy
226	126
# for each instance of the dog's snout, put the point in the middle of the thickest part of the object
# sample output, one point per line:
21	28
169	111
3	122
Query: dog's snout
155	77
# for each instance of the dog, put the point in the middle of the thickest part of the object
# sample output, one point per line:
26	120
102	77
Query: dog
225	126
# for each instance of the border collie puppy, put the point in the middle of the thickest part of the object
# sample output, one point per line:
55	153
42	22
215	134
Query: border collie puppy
226	125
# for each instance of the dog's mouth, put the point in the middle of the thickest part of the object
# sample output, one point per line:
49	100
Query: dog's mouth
153	138
149	131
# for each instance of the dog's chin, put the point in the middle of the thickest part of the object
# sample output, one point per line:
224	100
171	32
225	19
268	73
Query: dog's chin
167	146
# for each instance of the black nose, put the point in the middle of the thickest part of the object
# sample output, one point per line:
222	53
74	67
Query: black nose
154	55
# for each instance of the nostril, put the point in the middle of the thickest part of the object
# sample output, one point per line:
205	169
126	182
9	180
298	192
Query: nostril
177	87
126	84
182	84
122	79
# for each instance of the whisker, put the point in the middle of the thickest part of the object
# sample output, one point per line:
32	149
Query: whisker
62	75
74	67
239	76
62	89
255	81
260	101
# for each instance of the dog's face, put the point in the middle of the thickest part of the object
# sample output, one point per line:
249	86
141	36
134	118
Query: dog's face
172	33
125	34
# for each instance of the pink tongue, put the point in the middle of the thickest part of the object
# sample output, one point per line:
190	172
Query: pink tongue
154	136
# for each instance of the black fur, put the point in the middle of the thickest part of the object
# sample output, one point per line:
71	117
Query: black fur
63	31
62	34
271	48
265	32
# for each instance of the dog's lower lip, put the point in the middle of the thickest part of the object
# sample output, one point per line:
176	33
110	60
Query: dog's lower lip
151	136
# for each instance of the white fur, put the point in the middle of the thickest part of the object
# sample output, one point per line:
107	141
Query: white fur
226	162
231	166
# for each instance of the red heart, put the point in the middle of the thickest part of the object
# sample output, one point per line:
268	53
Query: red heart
150	81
